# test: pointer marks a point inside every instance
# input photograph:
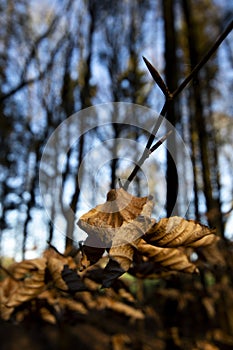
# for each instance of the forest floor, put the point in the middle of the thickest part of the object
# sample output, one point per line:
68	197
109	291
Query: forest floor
175	313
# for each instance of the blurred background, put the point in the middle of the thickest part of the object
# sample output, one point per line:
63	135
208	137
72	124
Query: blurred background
60	57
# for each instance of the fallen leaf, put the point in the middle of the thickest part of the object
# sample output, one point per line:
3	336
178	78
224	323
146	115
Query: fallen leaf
32	282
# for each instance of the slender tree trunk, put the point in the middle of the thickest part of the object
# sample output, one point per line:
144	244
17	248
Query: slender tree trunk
32	200
194	157
200	120
85	102
217	216
171	80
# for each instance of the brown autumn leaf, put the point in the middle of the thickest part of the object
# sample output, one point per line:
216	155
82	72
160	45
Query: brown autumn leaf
120	206
121	291
99	223
27	281
103	224
66	260
54	299
63	271
127	238
120	341
120	307
23	269
32	282
55	267
90	254
169	258
176	232
143	267
7	287
124	244
47	316
64	278
72	280
73	305
123	220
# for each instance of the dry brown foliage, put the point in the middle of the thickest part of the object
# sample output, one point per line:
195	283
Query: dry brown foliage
135	243
124	224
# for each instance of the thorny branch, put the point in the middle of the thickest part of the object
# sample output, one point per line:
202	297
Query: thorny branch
170	98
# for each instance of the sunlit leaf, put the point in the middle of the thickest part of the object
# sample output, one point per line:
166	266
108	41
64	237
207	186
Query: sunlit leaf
124	244
120	207
176	232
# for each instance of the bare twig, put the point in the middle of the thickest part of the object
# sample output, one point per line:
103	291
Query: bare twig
171	96
147	151
160	142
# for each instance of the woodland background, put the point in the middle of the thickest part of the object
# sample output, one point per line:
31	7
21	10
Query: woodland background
62	56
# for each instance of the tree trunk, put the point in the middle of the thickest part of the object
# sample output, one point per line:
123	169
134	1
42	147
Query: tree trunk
200	120
171	80
85	102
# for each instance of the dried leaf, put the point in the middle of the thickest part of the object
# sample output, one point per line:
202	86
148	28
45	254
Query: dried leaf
124	244
32	283
120	207
90	253
51	296
176	232
112	271
144	268
73	305
117	306
66	260
126	295
64	277
120	341
171	258
30	274
7	287
205	345
47	316
25	268
209	305
72	280
55	267
212	255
